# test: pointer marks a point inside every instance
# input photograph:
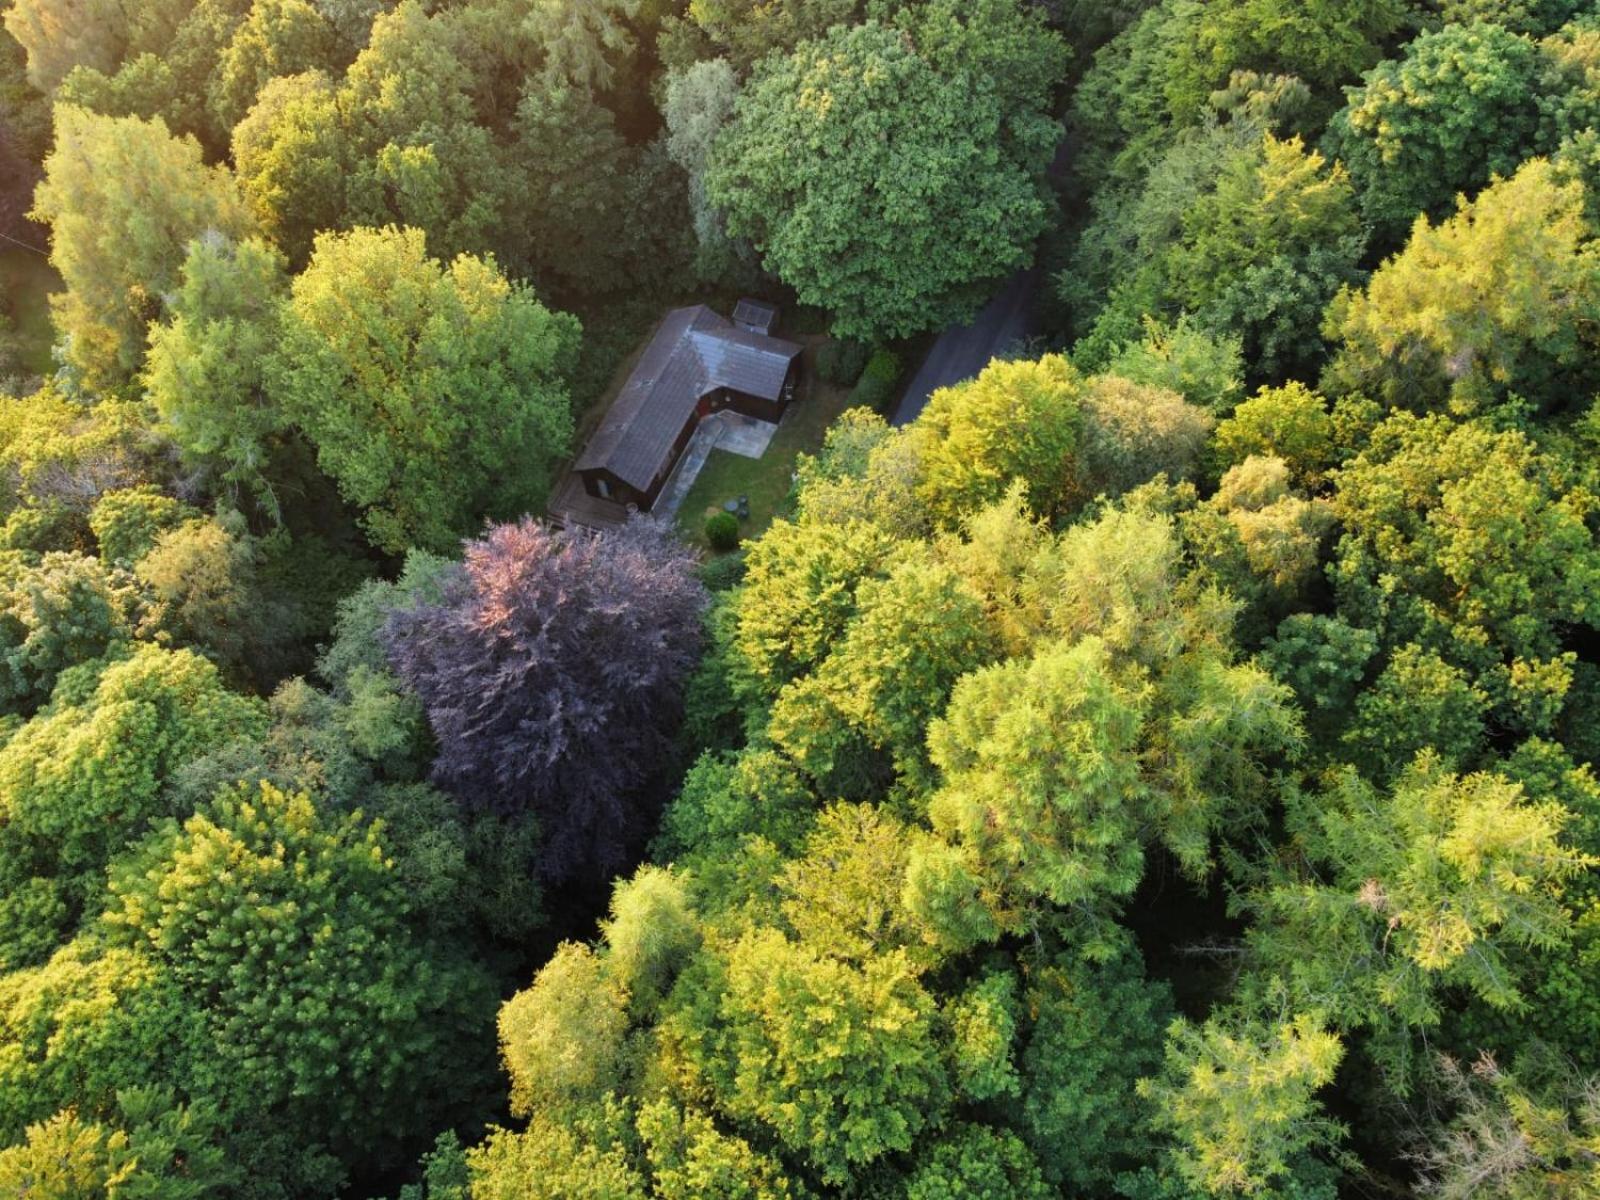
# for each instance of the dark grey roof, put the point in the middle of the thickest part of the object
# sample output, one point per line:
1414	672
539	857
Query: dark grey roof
755	314
694	351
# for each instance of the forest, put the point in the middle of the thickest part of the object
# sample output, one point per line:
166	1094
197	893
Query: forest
1164	769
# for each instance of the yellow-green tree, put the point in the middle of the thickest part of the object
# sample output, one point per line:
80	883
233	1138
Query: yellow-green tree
1495	298
123	199
394	364
1240	1100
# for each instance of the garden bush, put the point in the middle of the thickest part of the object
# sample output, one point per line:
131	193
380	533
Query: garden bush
841	361
876	386
722	531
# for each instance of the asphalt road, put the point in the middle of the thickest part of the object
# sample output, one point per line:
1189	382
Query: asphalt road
962	351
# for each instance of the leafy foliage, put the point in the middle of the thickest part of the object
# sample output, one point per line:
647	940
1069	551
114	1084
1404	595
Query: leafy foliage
1441	120
380	339
551	670
1487	302
85	778
124	198
838	1060
1238	662
907	112
1241	1101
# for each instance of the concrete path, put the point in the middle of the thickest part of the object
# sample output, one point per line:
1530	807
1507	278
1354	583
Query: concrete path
730	431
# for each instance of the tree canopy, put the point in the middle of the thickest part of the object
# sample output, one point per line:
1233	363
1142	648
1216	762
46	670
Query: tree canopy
1131	733
859	196
394	365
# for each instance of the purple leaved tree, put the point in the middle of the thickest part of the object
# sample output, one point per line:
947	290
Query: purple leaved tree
552	672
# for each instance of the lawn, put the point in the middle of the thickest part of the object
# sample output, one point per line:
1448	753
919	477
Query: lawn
26	281
766	480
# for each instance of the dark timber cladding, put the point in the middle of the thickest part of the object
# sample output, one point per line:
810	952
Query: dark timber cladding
697	363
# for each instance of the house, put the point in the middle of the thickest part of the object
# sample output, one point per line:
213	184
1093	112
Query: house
699	362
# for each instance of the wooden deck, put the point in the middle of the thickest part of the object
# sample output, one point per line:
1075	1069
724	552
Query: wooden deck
571	507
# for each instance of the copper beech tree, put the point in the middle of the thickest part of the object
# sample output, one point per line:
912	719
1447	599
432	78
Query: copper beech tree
551	670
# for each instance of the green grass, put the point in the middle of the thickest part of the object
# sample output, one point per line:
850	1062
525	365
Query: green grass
768	479
26	281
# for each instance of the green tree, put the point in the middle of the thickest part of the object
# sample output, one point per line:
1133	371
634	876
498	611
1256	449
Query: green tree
290	158
1523	16
1205	370
155	1149
396	141
61	34
691	1159
1042	779
752	29
697	105
839	1062
1418	702
1095	1031
841	894
865	471
127	522
1283	217
916	632
799	595
124	199
651	933
972	1162
1132	432
199	584
1457	108
393	364
585	42
1259	540
1117	276
276	38
1494	299
1324	42
1240	1099
65	610
1016	420
88	1024
1165	739
1291	423
56	453
726	797
593	216
1467	541
1247	234
587	1159
85	778
314	998
1324	660
862	196
1404	894
562	1037
1158	77
205	375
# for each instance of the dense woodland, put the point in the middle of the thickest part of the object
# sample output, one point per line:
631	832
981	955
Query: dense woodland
1163	770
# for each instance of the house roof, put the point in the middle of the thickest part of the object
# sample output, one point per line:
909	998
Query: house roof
694	352
755	314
